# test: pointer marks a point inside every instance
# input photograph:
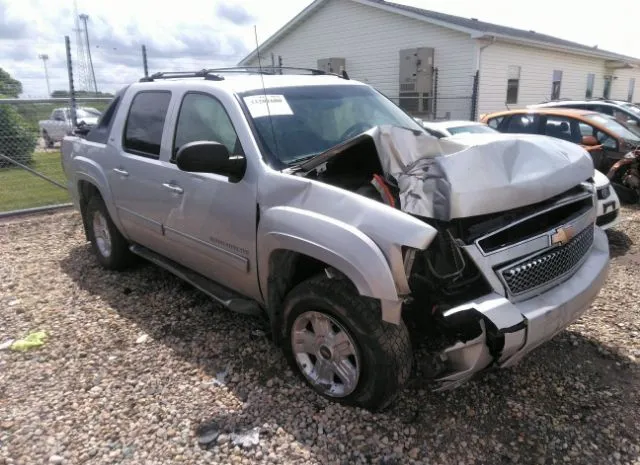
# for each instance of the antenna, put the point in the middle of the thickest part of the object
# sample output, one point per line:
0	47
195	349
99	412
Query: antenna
264	91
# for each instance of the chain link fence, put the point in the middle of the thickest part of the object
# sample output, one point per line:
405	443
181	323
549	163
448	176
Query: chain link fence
437	108
31	130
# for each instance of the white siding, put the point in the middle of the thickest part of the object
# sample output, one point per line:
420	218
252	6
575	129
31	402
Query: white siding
370	39
537	66
620	87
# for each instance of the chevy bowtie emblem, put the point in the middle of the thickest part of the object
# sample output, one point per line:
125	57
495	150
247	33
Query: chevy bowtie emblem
563	235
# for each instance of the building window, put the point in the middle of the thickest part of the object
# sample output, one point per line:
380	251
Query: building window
555	85
632	86
606	93
513	82
591	80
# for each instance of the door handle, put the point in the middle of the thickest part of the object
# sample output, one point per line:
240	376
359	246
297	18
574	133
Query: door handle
122	172
173	188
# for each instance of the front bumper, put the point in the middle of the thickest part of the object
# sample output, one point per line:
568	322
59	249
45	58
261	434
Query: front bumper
527	324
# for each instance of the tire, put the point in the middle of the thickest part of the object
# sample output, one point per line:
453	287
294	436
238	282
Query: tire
48	142
626	195
109	246
381	352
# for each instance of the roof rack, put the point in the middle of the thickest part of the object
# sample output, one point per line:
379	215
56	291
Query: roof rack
213	74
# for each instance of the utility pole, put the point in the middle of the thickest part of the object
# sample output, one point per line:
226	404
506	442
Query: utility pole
84	18
44	57
72	90
144	61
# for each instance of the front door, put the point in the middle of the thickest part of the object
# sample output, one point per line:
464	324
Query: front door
136	172
211	224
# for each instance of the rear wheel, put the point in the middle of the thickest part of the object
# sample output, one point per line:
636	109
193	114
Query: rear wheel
110	247
337	342
48	142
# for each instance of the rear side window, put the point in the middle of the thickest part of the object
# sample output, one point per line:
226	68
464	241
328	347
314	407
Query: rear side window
100	132
523	124
145	123
495	122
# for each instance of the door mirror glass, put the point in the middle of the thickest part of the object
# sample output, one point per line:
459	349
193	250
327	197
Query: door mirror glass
589	140
210	157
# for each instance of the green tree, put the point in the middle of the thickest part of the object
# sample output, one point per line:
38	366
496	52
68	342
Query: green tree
18	138
9	87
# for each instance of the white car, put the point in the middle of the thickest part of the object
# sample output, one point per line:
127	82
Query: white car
608	202
441	129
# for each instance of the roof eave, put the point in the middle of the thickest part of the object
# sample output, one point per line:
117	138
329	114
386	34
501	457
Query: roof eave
283	30
562	48
419	17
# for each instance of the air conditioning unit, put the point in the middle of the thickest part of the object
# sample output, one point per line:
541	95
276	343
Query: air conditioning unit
416	79
332	65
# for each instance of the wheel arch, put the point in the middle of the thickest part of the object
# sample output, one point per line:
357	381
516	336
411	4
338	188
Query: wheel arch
297	244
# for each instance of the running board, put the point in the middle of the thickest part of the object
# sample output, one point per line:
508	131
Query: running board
226	297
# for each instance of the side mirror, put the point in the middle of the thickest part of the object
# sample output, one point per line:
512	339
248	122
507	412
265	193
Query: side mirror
210	157
589	141
632	122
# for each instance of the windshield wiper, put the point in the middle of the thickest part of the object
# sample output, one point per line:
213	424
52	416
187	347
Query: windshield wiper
301	160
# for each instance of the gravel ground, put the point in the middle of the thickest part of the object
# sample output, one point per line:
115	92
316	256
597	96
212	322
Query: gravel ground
140	368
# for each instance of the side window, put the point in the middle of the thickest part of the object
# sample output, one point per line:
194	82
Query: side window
607	110
495	122
100	132
145	123
606	140
58	115
523	124
203	118
563	128
586	130
591	80
513	83
556	83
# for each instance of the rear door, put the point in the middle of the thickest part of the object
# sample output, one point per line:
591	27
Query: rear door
136	172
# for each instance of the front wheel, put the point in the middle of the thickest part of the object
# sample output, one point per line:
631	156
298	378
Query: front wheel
337	342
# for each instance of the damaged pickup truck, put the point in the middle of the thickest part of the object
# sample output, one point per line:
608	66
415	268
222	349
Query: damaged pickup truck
316	202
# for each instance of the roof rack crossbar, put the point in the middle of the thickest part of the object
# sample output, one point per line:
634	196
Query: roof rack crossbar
211	74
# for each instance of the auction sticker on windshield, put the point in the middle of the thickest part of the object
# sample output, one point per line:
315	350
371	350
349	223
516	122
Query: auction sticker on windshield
277	105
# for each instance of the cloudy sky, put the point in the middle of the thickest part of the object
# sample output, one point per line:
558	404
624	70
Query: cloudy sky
192	34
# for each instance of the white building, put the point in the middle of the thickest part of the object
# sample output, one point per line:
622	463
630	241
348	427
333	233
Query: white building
371	38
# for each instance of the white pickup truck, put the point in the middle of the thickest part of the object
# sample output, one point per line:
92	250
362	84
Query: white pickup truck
60	124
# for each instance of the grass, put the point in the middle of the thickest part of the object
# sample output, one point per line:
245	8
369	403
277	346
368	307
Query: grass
20	189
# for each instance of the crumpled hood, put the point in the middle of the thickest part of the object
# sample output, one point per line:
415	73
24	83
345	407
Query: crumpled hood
479	173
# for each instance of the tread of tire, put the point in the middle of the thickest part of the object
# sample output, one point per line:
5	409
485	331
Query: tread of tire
393	339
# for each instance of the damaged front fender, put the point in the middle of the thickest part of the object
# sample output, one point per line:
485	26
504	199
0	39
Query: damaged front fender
335	243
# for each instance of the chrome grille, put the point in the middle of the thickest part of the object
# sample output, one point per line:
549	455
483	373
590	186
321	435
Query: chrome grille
548	267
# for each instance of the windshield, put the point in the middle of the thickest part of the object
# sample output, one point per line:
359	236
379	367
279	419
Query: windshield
306	121
613	126
471	129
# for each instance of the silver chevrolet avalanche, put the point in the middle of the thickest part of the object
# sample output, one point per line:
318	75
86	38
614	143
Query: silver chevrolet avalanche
312	199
